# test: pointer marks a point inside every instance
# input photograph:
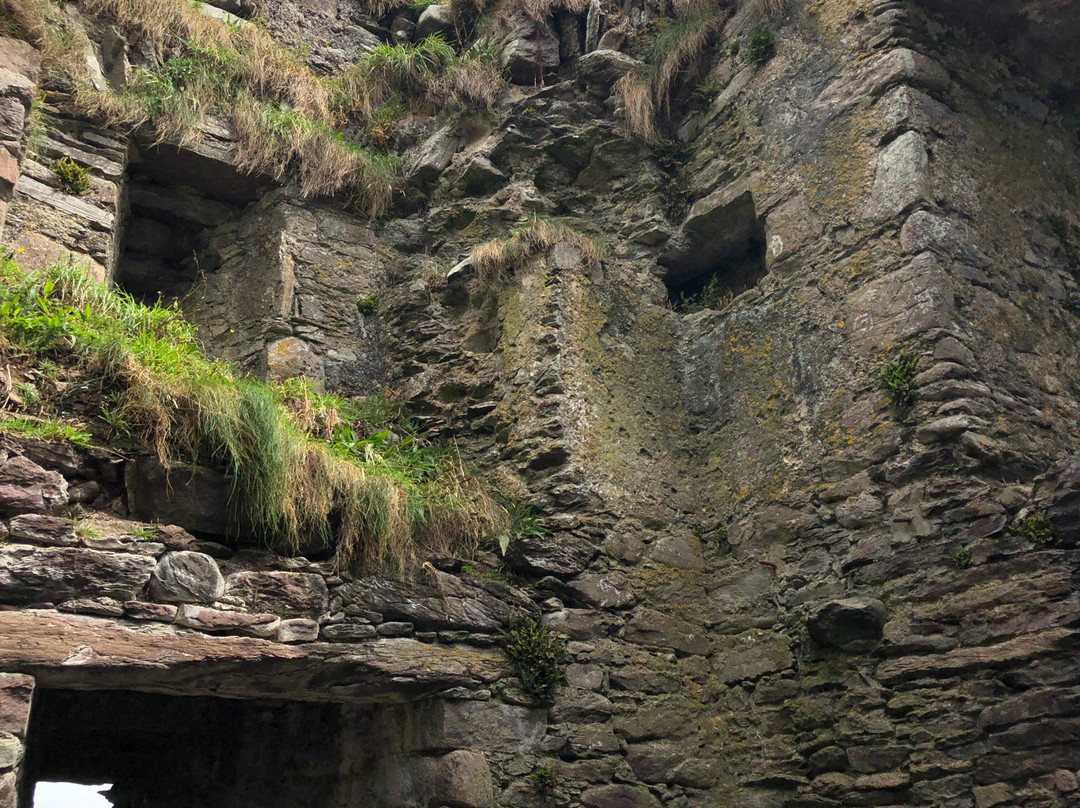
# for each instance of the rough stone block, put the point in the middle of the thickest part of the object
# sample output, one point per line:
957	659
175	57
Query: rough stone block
902	178
16	695
39	574
41	528
289	594
484	725
610	591
264	626
186	577
26	486
298	629
665	631
619	796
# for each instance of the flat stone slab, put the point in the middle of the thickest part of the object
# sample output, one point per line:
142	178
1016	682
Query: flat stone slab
90	653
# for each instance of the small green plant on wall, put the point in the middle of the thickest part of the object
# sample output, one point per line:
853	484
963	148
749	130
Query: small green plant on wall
1037	528
897	378
544	779
534	650
73	178
961	558
761	46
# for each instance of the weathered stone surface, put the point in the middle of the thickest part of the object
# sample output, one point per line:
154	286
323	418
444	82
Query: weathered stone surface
789	228
604	591
450	603
11	751
89	652
679	551
967	659
484	725
186	577
481	177
665	631
159	612
716	229
429	161
530	48
43	529
435	19
16	695
902	179
600	69
25	486
347	632
752	655
619	796
851	624
190	615
460	778
900	66
297	629
287	594
902	304
40	574
552	554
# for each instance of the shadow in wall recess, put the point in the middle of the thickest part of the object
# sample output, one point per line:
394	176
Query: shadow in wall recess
177	200
718	254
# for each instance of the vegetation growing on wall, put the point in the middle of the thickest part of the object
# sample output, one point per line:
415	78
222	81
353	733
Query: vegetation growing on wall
677	53
535	650
493	259
308	468
289	122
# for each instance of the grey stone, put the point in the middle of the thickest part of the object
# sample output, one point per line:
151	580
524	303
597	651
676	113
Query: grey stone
11	751
480	177
483	725
530	48
194	497
619	796
347	632
928	231
717	228
585	677
287	594
681	551
863	510
394	629
43	529
264	626
51	574
186	577
431	158
26	486
600	69
435	19
751	656
297	629
881	73
609	591
461	779
851	624
665	631
159	612
902	178
944	429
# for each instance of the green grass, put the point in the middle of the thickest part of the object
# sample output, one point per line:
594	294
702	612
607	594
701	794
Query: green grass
1036	527
291	123
308	468
47	429
761	46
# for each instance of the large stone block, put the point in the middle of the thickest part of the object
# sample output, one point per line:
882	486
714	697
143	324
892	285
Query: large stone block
619	796
52	574
902	179
666	631
484	725
186	577
26	486
461	779
288	594
16	695
196	498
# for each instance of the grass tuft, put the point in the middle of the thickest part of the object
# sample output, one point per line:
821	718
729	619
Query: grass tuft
493	259
309	469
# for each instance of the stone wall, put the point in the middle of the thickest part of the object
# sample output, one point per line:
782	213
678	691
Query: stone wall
778	588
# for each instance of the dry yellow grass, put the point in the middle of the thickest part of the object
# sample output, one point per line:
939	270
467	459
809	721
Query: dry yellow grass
493	259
